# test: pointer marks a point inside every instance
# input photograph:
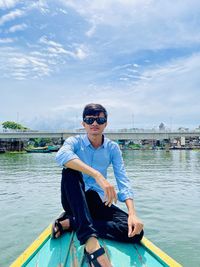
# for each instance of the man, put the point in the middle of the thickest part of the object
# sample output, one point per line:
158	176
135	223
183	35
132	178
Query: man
87	197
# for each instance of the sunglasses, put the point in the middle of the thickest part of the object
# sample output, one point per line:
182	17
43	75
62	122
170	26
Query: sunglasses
91	120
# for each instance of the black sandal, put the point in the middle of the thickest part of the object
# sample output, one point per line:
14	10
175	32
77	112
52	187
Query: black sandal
57	226
92	257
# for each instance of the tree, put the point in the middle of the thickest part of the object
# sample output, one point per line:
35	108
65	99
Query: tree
162	126
13	125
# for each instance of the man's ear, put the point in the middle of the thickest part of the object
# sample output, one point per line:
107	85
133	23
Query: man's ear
83	124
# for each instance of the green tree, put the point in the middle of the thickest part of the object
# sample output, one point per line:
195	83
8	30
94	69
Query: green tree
161	126
13	125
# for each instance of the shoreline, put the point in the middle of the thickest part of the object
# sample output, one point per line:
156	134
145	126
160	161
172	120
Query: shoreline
123	149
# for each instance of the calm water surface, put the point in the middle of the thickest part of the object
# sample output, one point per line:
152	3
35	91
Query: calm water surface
167	196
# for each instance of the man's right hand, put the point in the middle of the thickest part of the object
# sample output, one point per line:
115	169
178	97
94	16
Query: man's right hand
109	190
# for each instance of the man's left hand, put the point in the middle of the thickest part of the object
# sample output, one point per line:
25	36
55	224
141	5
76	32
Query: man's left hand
135	225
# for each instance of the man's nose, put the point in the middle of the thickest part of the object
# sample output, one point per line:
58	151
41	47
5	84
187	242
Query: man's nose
95	123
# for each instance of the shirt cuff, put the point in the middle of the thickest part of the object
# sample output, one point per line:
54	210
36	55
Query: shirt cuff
125	194
63	158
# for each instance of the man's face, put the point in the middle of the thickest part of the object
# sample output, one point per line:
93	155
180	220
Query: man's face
95	128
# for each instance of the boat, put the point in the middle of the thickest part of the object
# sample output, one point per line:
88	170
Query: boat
44	149
54	148
66	252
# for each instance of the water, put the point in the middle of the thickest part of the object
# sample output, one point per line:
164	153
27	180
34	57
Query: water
167	194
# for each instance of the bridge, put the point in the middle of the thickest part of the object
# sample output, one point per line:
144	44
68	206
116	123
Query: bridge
113	135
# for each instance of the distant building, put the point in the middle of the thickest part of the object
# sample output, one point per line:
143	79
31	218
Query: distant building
183	129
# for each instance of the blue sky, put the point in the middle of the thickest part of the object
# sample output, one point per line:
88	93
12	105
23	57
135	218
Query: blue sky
139	58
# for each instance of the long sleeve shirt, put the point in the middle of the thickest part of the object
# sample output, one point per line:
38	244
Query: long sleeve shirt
79	147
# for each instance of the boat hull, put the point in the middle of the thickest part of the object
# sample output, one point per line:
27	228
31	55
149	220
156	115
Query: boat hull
66	251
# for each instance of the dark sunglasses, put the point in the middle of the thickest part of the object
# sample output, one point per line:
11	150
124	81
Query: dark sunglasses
91	120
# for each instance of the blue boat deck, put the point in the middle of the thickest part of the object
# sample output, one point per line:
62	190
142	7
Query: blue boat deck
66	252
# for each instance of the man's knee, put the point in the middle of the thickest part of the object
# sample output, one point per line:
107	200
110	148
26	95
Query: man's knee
138	238
135	239
71	178
70	173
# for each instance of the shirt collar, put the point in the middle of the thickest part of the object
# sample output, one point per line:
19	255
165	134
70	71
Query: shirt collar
87	141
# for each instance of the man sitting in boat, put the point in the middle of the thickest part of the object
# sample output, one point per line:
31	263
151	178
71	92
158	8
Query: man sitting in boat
86	195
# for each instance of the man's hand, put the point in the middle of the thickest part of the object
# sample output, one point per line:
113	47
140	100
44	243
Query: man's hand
135	226
109	190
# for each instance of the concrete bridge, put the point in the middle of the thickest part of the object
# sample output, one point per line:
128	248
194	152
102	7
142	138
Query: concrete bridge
113	135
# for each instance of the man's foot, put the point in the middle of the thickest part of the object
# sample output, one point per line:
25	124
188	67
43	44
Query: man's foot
93	249
59	226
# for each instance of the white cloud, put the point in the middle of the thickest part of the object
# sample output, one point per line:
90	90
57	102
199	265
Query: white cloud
38	63
40	5
55	49
169	92
18	27
63	11
118	52
176	68
40	60
81	52
141	24
45	40
58	50
18	65
6	40
92	30
5	4
19	62
11	16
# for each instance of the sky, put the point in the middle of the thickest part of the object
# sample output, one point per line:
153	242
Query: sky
138	58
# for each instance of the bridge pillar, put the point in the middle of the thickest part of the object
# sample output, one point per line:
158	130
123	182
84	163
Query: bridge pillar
11	145
182	140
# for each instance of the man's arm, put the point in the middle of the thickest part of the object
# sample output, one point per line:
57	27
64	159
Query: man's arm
123	182
67	157
135	225
109	190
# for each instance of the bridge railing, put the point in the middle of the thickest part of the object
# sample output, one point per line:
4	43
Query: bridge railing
106	131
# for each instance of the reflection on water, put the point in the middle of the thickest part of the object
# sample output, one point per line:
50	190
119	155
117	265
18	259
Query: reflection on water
167	194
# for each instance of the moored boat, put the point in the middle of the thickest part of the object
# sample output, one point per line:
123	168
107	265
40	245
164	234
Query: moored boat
44	149
66	251
54	148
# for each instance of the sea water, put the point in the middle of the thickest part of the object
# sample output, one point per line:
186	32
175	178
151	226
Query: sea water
166	194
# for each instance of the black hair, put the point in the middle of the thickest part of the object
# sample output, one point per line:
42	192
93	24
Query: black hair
94	109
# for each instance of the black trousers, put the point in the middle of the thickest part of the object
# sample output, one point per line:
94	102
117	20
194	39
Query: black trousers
88	214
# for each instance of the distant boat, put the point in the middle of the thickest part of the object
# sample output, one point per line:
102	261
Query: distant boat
38	150
54	148
44	149
66	252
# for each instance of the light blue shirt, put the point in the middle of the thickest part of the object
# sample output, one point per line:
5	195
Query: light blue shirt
79	147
